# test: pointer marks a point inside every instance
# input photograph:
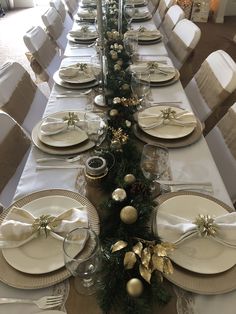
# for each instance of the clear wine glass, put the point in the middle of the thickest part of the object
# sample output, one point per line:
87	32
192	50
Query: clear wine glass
140	86
129	11
131	44
96	127
82	256
154	163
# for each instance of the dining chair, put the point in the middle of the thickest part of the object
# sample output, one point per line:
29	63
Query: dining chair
210	90
173	15
60	7
14	149
222	143
43	51
54	27
19	95
162	8
182	41
72	7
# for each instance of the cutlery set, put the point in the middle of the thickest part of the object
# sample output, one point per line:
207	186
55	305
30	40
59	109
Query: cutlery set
169	186
64	162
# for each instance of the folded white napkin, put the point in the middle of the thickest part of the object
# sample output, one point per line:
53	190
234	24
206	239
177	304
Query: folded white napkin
80	70
140	14
51	126
153	67
148	121
87	14
20	226
81	33
180	228
70	71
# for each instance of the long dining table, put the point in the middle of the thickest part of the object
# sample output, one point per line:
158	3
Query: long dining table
190	163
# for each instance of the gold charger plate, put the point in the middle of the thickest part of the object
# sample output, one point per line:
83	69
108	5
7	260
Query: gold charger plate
76	149
200	283
172	143
17	279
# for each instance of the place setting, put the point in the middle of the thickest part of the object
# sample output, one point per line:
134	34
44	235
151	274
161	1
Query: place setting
145	36
69	132
160	74
88	4
141	15
205	250
86	15
32	233
83	35
76	76
171	127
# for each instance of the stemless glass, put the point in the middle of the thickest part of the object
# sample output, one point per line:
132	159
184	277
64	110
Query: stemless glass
131	44
96	68
154	162
140	86
96	127
82	256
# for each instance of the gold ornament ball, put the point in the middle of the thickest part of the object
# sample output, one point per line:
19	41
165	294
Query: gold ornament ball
114	112
125	87
134	287
129	178
128	214
119	195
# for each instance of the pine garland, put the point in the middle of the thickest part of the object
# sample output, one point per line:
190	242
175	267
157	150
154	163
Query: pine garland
123	158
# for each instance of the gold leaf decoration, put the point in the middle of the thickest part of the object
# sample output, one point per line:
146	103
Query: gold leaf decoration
146	257
160	250
119	245
206	225
168	267
137	248
129	260
145	273
157	262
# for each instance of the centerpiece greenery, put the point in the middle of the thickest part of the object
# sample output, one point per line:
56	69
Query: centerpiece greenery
133	258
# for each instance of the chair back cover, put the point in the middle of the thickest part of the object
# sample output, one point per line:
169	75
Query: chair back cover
12	139
55	28
72	6
60	7
211	87
222	143
163	6
183	40
172	17
43	50
19	95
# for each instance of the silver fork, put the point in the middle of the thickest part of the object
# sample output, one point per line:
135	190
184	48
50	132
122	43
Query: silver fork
43	303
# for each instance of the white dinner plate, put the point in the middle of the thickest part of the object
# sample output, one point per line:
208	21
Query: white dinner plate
149	36
164	131
41	255
200	255
69	137
80	78
87	38
73	85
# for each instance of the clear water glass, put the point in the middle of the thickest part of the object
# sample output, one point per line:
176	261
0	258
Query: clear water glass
154	162
96	127
140	86
82	256
129	11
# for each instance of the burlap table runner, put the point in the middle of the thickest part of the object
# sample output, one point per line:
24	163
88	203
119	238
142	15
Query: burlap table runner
13	148
179	48
209	86
81	304
21	99
227	126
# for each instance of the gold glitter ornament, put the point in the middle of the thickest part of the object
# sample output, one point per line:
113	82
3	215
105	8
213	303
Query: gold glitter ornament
129	215
113	112
134	287
119	195
129	178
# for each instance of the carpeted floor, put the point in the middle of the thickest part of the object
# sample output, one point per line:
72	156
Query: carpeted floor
16	22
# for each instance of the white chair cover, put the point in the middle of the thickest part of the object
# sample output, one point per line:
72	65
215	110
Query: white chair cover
43	50
172	17
19	95
183	40
163	6
72	7
60	7
222	143
54	25
14	149
212	84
